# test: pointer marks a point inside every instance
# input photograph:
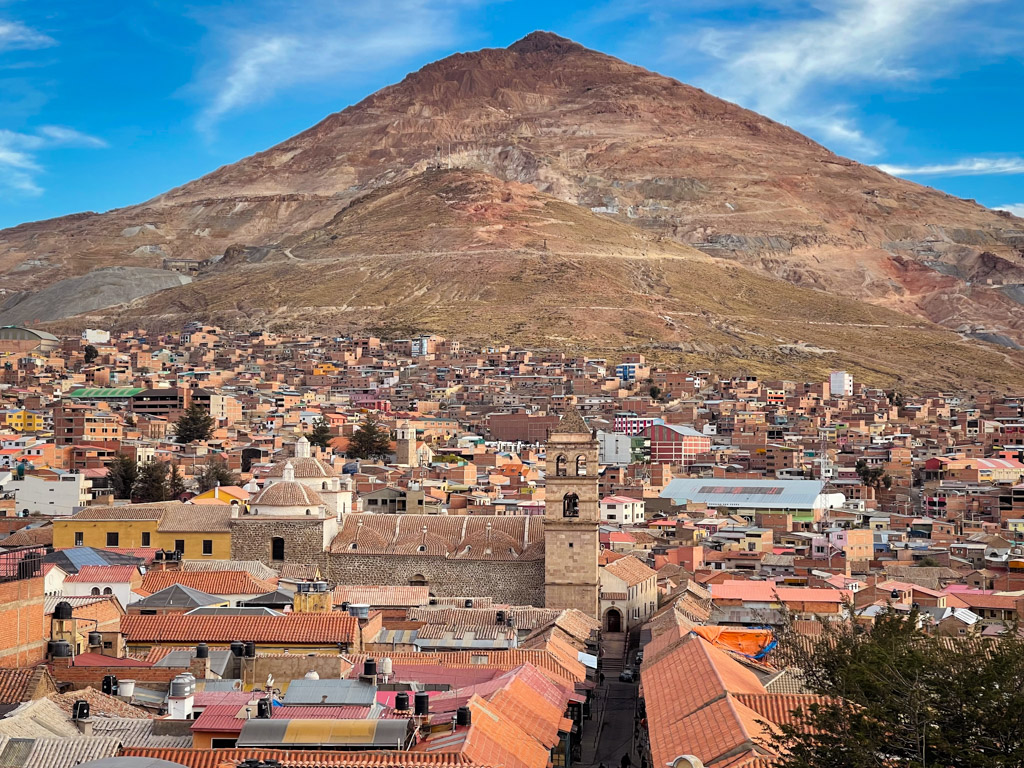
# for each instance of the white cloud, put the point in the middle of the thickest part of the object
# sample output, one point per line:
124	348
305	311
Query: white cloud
975	166
19	167
1017	209
16	36
60	135
782	67
316	41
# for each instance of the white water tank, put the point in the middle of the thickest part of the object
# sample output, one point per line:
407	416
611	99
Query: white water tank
386	665
126	688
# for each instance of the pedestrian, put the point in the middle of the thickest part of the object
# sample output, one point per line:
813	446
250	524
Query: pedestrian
601	678
625	762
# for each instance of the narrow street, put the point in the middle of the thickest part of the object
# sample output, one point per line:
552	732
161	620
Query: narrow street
610	732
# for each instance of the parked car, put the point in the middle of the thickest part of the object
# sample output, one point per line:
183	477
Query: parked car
626	676
639	658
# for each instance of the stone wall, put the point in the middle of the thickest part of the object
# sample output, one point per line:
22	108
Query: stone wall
514	582
303	540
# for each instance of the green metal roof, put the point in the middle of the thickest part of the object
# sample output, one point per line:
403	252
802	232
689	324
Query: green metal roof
100	393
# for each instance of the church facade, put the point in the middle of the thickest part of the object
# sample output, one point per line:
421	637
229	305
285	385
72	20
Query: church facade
549	560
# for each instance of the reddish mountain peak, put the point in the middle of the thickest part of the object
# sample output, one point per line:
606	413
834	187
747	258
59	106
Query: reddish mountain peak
545	41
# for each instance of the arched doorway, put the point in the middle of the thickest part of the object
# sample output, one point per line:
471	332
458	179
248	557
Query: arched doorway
613	620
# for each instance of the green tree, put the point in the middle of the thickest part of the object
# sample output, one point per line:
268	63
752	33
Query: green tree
194	424
370	441
656	392
122	473
152	484
91	353
216	472
900	698
872	477
321	434
175	482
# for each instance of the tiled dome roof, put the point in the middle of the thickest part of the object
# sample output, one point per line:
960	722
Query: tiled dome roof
285	494
304	467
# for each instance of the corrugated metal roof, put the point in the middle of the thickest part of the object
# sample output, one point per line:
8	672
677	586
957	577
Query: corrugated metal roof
93	393
316	733
330	692
771	494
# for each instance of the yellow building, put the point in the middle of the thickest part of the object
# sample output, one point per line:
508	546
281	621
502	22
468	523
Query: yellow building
24	420
198	531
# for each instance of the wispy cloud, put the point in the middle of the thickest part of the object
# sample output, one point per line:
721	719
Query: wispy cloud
1017	209
788	66
313	42
16	36
975	166
19	164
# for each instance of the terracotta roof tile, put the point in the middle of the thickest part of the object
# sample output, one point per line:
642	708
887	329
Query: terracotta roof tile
292	628
382	595
211	582
111	574
630	570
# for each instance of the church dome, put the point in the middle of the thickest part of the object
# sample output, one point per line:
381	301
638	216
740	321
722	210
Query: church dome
305	467
287	494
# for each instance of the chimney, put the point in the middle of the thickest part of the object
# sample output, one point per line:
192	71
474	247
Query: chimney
200	664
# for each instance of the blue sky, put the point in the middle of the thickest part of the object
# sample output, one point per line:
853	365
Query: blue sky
104	103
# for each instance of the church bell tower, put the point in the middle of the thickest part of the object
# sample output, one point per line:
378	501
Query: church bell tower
571	517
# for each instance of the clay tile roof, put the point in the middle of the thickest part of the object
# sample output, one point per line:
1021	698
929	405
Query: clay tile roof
211	582
195	518
113	574
30	537
630	570
305	467
16	685
291	628
382	595
99	704
127	512
780	708
287	494
572	423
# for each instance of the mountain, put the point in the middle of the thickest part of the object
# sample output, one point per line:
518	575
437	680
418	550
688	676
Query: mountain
615	167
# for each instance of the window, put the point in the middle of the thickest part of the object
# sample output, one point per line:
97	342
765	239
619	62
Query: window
145	538
108	591
94	591
277	548
179	546
112	538
79	539
223	743
207	546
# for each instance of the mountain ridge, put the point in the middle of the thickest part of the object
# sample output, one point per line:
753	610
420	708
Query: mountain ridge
668	161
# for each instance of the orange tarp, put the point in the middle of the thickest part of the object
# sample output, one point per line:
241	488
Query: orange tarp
746	641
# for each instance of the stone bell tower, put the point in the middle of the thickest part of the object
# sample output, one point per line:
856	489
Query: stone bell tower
571	517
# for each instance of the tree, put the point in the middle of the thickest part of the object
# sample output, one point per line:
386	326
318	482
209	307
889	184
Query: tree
370	441
152	484
900	698
194	424
175	482
215	473
122	473
91	353
655	392
873	477
321	434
